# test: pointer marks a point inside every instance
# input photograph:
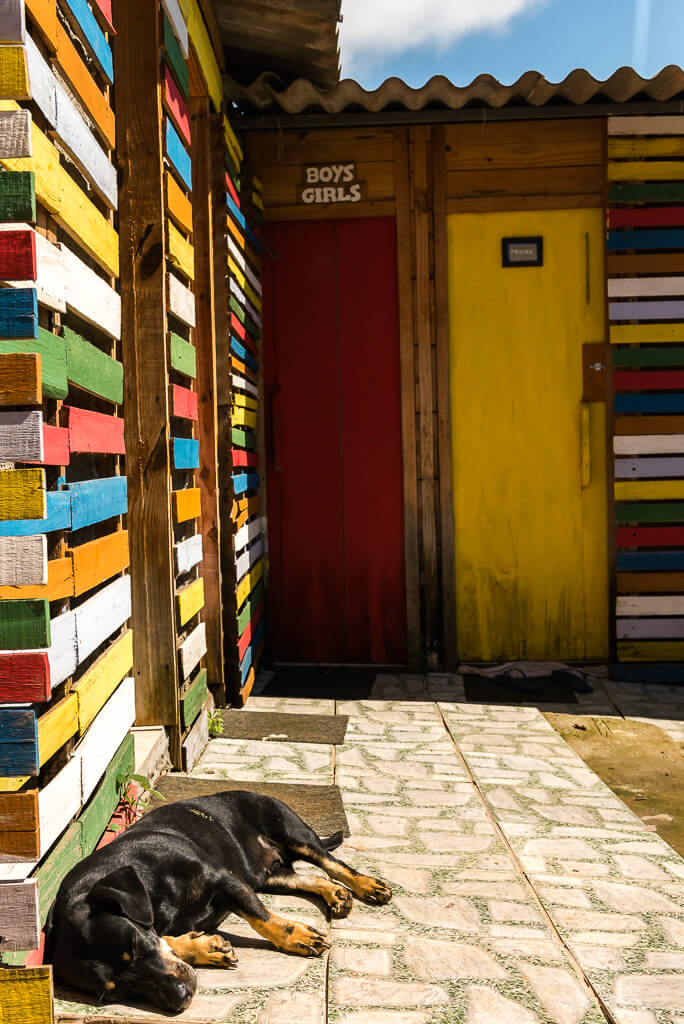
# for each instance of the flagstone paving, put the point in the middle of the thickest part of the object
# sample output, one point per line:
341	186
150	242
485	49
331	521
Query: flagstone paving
525	891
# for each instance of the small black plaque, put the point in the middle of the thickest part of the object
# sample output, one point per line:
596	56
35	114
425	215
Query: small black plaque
522	252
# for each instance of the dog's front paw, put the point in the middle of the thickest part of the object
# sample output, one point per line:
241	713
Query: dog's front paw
372	890
214	951
306	941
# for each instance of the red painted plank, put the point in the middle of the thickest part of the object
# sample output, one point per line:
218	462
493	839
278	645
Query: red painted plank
55	446
231	190
24	676
242	458
103	13
248	632
650	536
176	105
17	256
646	216
95	432
184	402
238	327
648	380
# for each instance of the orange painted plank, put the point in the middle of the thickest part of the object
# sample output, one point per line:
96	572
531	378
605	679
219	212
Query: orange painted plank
60	584
85	86
44	13
99	560
186	504
178	205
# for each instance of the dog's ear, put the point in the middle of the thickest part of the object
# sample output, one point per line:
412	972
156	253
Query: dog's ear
124	890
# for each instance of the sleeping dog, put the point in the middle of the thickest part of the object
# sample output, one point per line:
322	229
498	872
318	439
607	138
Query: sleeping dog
132	919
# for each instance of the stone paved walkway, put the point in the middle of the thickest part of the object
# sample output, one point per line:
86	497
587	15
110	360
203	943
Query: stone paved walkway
525	891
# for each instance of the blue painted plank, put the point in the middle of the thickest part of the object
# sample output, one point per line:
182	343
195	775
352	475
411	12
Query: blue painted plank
659	403
58	518
94	37
178	155
248	658
242	353
665	238
18	742
648	672
185	453
245	482
18	313
93	501
252	238
235	212
650	561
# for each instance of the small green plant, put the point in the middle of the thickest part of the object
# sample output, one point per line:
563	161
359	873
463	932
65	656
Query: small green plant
132	801
215	723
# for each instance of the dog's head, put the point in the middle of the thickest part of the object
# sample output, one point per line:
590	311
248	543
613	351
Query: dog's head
104	943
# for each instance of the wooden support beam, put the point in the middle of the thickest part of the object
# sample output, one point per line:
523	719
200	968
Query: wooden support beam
142	223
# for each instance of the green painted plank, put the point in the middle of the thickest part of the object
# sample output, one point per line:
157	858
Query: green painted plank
248	607
175	59
183	355
18	197
92	370
652	192
237	309
195	698
101	807
24	624
649	511
53	360
656	355
243	438
56	865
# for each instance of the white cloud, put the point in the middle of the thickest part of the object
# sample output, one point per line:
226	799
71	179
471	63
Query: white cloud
376	29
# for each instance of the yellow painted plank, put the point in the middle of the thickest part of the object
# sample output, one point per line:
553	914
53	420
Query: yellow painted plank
181	252
653	170
22	494
249	582
57	726
26	995
640	334
59	193
651	650
240	417
252	296
199	37
632	147
189	600
258	183
236	272
21	379
232	139
14	83
244	401
12	785
649	490
186	504
60	584
257	200
177	203
101	680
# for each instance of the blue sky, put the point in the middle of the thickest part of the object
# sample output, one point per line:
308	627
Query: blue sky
461	39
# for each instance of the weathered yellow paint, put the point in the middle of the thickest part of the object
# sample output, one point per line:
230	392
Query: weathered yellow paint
232	140
190	600
530	540
236	272
243	418
257	200
252	296
56	726
12	785
649	490
199	37
651	650
249	582
14	83
101	680
22	494
243	400
640	334
181	252
653	170
26	995
632	147
57	190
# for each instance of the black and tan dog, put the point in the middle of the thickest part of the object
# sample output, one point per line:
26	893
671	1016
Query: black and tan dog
132	918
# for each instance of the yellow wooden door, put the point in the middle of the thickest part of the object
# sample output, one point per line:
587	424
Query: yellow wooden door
529	459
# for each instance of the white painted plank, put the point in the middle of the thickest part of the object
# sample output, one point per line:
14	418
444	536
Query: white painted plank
247	533
175	16
63	653
23	561
662	604
51	285
101	615
21	436
20	917
105	736
661	125
193	648
649	469
650	629
58	803
648	444
244	385
188	553
90	296
181	301
15	134
66	121
15	872
12	21
239	258
245	562
630	287
196	741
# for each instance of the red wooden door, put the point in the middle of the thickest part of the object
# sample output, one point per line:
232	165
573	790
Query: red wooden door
334	469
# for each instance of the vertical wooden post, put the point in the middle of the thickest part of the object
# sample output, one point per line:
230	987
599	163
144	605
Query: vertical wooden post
204	157
144	330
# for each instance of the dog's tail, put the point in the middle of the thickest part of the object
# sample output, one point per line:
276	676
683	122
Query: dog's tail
332	842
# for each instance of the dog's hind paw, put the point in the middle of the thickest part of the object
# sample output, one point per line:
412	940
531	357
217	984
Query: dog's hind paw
213	951
340	902
372	890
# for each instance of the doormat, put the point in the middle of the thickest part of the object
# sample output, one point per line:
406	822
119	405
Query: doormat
319	806
272	725
515	690
323	683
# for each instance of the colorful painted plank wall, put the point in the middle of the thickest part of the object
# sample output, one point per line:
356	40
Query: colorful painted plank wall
66	692
645	263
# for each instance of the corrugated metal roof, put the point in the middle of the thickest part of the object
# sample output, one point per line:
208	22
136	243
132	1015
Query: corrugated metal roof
268	94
